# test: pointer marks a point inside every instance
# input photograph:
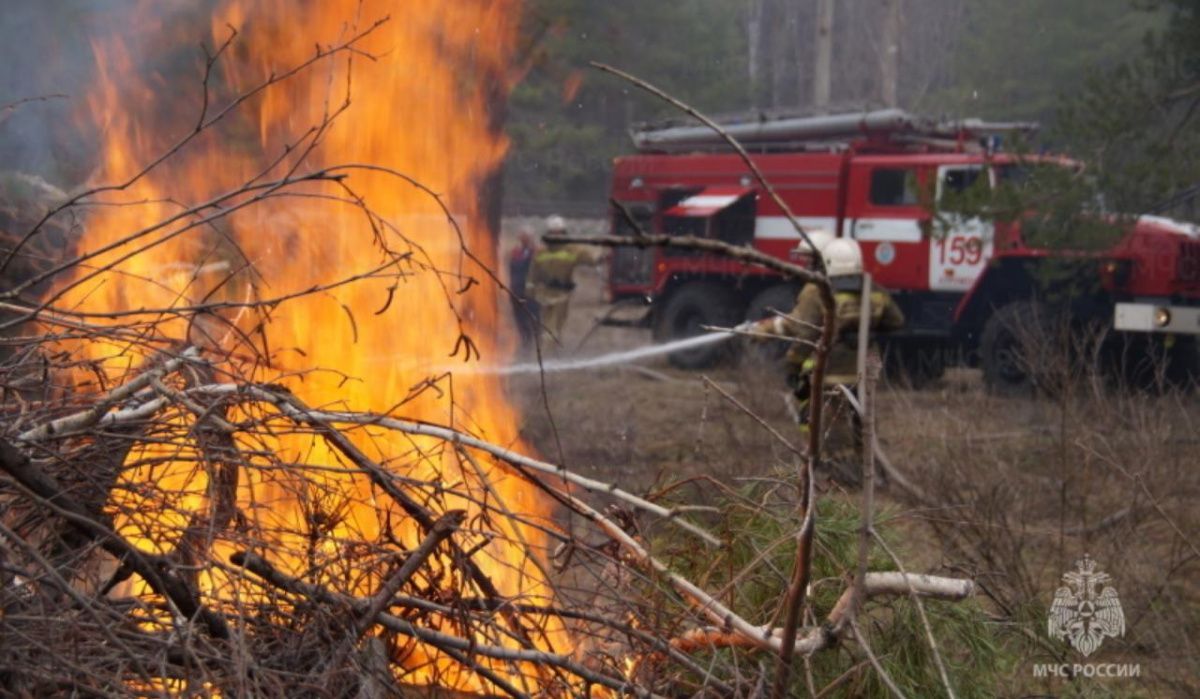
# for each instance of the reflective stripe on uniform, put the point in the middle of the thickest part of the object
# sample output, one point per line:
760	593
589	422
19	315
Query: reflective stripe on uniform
555	256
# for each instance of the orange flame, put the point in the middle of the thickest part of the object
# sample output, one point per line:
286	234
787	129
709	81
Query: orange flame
414	96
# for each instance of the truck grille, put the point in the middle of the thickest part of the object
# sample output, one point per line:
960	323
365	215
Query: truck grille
1189	262
632	266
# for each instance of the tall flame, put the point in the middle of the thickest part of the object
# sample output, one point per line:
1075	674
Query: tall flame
414	95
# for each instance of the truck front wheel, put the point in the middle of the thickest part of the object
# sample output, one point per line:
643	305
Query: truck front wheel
1016	350
684	315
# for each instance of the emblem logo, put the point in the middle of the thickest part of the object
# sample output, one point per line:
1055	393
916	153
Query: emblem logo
885	253
1085	611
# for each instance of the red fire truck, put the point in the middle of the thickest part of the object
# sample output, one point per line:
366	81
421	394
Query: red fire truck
966	285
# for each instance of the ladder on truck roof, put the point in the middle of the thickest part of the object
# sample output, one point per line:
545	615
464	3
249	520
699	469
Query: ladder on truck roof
825	130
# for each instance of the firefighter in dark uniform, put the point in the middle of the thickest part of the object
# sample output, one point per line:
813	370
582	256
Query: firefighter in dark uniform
552	278
842	443
524	308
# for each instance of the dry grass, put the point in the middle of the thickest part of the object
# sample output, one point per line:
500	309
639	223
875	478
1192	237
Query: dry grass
1024	486
1029	486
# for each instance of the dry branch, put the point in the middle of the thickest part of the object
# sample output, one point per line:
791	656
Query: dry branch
874	584
157	571
324	420
263	569
98	412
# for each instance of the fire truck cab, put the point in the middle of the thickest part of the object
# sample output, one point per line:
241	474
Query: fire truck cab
965	284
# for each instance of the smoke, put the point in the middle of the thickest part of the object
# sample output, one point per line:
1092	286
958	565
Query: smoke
50	138
47	51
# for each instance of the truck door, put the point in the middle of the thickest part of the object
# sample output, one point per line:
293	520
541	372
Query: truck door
962	244
885	214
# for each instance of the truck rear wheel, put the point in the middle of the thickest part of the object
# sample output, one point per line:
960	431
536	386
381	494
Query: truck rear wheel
690	308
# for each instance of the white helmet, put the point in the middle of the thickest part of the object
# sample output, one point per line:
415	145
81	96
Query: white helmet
556	223
843	257
819	237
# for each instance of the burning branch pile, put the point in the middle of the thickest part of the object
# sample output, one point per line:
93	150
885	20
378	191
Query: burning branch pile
190	500
235	457
218	603
216	573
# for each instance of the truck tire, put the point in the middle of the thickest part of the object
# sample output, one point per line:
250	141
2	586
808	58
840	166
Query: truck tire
782	298
684	314
1016	350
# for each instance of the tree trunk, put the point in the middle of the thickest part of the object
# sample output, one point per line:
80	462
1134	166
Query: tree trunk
754	39
889	52
823	65
782	53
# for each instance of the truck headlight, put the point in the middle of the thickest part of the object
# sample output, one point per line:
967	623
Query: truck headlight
1162	317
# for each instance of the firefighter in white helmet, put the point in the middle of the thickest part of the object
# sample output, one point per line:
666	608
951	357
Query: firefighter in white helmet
818	237
551	277
842	259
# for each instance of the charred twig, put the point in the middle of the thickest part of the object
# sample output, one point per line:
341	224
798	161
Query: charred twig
322	421
100	406
104	625
156	571
263	569
384	480
442	529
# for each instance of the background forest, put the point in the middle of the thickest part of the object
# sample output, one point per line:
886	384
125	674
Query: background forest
1115	82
